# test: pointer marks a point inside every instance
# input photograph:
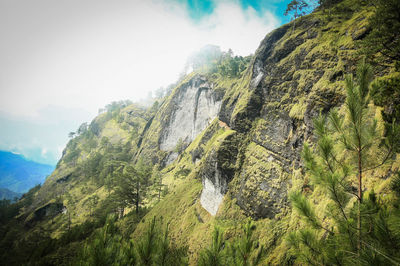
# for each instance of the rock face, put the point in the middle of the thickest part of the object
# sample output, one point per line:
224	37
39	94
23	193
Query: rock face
50	209
249	156
218	172
287	89
263	185
195	105
214	189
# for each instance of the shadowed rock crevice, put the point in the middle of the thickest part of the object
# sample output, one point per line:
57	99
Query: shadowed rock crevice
219	170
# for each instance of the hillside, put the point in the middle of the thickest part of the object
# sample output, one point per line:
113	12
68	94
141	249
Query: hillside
218	151
19	175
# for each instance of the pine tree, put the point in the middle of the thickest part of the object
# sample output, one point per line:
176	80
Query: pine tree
155	247
132	184
242	251
104	248
148	246
348	146
163	251
214	255
158	186
296	8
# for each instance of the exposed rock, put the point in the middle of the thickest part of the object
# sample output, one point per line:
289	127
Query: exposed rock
283	75
213	192
50	209
275	133
170	158
361	33
251	154
64	178
195	105
263	183
218	171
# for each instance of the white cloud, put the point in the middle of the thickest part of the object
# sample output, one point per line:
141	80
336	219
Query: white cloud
44	152
117	50
83	54
241	30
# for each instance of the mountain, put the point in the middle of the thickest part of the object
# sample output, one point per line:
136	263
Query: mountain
223	152
18	174
8	194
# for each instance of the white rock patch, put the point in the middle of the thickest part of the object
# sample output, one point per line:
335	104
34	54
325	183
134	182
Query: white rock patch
195	108
211	197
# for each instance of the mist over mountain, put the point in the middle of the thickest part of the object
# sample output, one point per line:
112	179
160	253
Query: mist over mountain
40	137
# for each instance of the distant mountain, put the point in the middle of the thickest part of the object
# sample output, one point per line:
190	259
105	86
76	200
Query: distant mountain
8	194
18	174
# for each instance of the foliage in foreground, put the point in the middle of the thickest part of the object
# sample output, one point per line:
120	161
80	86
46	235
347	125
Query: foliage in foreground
365	230
107	247
243	250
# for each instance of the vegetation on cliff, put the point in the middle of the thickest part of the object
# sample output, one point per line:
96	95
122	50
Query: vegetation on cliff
348	147
118	196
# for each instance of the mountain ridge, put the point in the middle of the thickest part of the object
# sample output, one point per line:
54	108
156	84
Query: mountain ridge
227	148
9	195
19	174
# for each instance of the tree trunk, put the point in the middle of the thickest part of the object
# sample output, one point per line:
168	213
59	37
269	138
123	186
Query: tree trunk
137	198
121	212
69	220
360	194
159	191
294	21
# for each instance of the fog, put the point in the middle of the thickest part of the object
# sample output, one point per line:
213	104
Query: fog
79	55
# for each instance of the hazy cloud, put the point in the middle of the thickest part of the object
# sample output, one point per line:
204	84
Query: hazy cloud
41	139
83	54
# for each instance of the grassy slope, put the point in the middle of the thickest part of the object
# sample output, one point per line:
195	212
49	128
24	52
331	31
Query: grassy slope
309	75
72	186
333	50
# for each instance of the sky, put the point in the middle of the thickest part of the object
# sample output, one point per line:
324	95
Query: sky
63	60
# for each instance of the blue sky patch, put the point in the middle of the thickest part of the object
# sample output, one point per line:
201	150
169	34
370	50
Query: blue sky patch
198	9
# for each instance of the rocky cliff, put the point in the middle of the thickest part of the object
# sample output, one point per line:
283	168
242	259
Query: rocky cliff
228	148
